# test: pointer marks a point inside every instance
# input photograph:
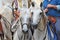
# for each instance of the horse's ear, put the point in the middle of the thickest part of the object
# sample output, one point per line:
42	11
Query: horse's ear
41	4
33	4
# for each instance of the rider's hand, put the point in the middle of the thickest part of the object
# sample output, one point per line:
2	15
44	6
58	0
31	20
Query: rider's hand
49	6
17	13
46	10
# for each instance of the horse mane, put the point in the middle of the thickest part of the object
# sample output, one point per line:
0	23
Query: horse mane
6	27
43	22
7	11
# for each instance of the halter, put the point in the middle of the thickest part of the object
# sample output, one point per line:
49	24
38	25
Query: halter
42	16
24	24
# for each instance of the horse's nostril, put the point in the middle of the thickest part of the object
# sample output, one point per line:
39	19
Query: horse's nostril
27	31
35	26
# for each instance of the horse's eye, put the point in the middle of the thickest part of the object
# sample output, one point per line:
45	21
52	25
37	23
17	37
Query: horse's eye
21	19
40	13
33	4
32	13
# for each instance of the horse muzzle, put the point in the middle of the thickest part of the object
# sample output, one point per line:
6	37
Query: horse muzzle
25	31
34	26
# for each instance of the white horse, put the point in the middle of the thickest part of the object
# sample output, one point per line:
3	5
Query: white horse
38	22
23	31
6	13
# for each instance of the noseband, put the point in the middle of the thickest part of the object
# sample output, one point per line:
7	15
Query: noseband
24	24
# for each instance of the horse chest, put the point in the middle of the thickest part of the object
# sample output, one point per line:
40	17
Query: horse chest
26	36
39	35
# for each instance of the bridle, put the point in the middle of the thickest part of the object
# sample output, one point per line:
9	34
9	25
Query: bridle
38	22
24	23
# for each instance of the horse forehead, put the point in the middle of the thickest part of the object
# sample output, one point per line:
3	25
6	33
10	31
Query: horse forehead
37	11
25	15
25	10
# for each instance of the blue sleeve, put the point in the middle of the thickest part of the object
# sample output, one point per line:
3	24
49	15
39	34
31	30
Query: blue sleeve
58	2
45	3
54	2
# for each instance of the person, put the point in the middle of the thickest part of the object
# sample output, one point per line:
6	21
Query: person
17	13
52	10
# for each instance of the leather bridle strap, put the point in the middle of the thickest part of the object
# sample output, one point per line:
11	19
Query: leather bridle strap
25	24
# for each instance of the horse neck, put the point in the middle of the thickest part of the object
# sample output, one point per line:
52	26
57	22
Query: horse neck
42	23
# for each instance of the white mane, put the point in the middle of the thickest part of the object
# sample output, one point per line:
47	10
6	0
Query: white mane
7	12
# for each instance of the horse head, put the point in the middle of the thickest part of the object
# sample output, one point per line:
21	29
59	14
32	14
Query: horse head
37	15
25	19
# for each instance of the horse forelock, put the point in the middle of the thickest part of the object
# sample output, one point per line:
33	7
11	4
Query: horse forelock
25	12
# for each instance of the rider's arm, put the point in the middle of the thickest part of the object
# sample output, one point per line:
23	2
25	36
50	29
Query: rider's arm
53	4
16	13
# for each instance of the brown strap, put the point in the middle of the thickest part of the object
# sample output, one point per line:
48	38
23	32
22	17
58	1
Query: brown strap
52	19
1	30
